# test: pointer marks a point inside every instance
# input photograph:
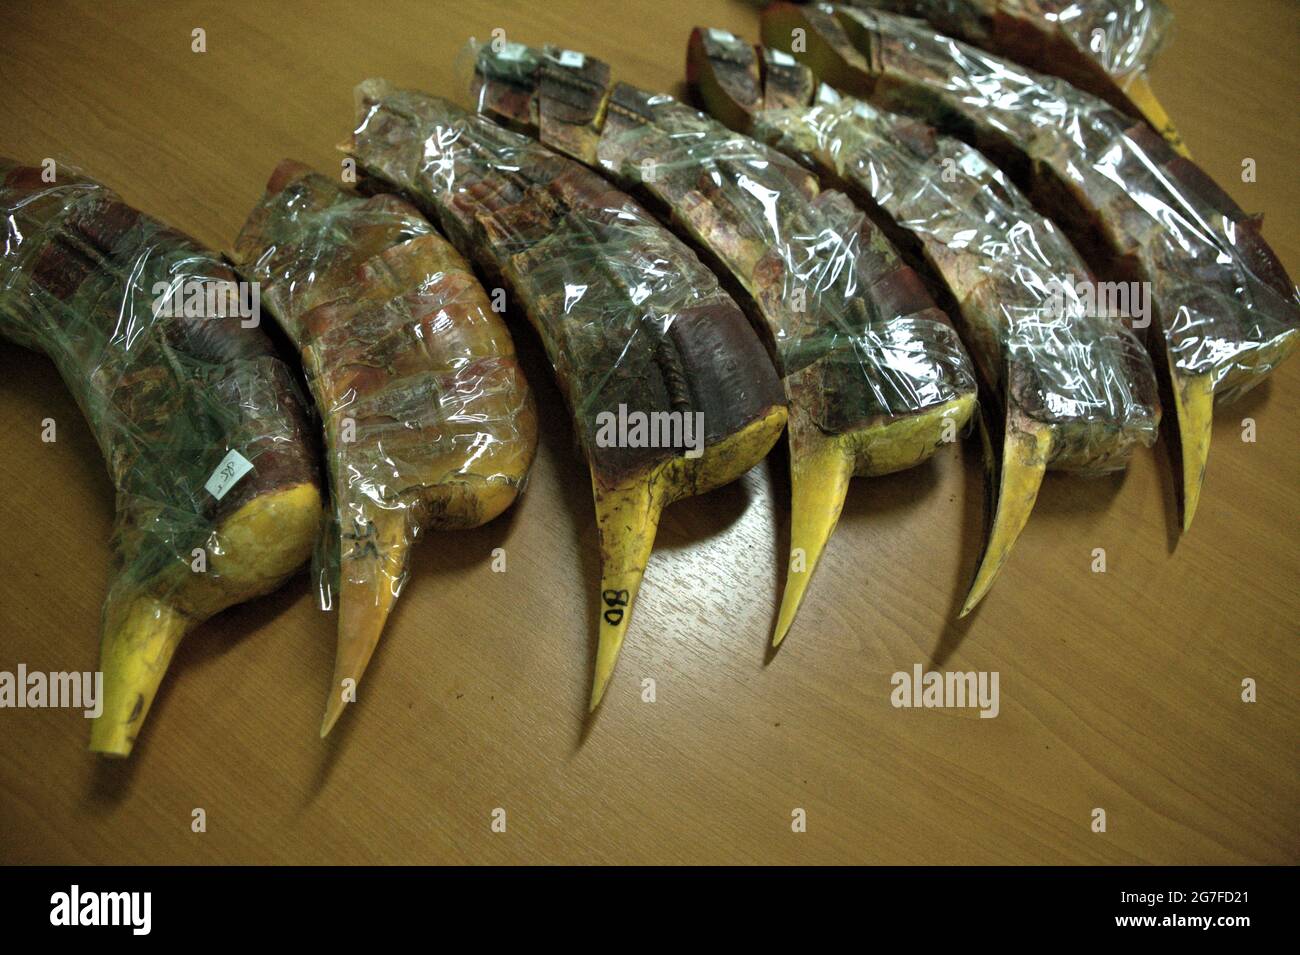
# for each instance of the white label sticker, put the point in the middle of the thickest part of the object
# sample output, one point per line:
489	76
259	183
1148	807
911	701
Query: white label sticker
232	467
512	51
973	164
572	59
722	36
781	58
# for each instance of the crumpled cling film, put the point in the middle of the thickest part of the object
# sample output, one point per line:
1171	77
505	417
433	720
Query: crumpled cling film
1226	311
1121	37
428	421
1075	385
1124	36
632	321
876	376
1013	276
199	421
1226	304
1102	46
818	269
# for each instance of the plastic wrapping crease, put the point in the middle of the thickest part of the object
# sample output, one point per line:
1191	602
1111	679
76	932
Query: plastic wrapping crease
1119	38
633	323
1051	360
1017	277
175	393
867	359
1225	312
428	421
1102	46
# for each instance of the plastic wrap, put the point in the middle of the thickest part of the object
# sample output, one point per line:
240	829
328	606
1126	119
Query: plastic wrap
869	363
1072	39
1223	303
428	421
838	308
199	421
1101	46
635	326
1076	387
1013	278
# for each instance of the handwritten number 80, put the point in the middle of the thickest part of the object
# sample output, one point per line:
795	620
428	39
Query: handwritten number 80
615	600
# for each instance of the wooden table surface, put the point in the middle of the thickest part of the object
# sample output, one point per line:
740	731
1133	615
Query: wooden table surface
1119	690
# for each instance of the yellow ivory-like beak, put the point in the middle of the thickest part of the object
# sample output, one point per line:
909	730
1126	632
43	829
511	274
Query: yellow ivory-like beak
627	518
1144	98
1194	405
141	635
820	469
1026	449
263	542
372	563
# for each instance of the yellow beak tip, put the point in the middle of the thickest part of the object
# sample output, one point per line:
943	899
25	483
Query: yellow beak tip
109	746
785	619
332	714
1194	406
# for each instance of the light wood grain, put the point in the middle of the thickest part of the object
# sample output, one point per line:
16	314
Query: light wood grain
1118	690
